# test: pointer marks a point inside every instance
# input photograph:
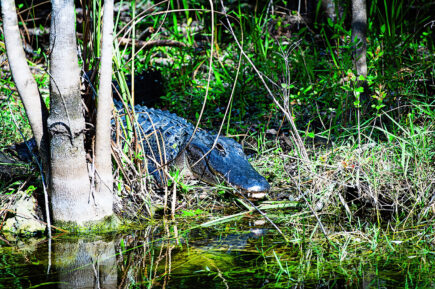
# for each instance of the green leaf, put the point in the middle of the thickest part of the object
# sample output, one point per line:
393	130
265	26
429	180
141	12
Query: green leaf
307	89
359	89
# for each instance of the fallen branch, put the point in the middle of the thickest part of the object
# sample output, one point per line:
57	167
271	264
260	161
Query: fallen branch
150	44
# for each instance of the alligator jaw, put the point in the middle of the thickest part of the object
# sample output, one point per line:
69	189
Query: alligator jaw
259	187
258	191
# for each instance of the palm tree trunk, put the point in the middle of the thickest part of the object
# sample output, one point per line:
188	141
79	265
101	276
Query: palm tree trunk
72	198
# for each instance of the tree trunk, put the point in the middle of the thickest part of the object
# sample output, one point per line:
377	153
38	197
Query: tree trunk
27	89
103	148
72	197
329	9
359	27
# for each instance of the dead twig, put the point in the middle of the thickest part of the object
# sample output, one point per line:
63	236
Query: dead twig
124	41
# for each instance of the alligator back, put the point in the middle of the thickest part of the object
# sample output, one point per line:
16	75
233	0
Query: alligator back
163	136
167	138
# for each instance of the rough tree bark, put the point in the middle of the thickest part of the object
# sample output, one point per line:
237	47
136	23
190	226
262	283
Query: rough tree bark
103	160
72	197
359	27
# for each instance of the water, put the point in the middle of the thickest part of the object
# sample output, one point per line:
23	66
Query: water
235	256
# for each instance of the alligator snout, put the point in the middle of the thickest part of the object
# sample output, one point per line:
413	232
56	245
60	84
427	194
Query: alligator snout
226	162
247	179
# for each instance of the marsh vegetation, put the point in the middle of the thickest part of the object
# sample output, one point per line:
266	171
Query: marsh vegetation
348	151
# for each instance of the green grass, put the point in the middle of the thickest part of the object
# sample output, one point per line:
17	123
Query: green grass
368	181
12	115
381	147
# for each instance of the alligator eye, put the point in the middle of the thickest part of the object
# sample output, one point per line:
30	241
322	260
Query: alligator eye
220	149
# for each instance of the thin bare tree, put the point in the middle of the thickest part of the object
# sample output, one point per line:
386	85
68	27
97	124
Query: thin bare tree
359	28
27	89
103	160
329	9
34	105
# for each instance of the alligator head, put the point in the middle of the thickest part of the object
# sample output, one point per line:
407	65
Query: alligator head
225	162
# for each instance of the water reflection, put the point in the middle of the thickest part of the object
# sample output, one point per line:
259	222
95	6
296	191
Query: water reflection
229	257
82	263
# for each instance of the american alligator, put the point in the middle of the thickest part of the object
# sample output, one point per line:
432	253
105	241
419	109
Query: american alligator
169	139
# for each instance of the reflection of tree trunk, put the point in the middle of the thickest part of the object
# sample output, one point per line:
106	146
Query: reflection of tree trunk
83	264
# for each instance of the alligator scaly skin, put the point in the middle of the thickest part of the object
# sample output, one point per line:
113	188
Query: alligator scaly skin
165	139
